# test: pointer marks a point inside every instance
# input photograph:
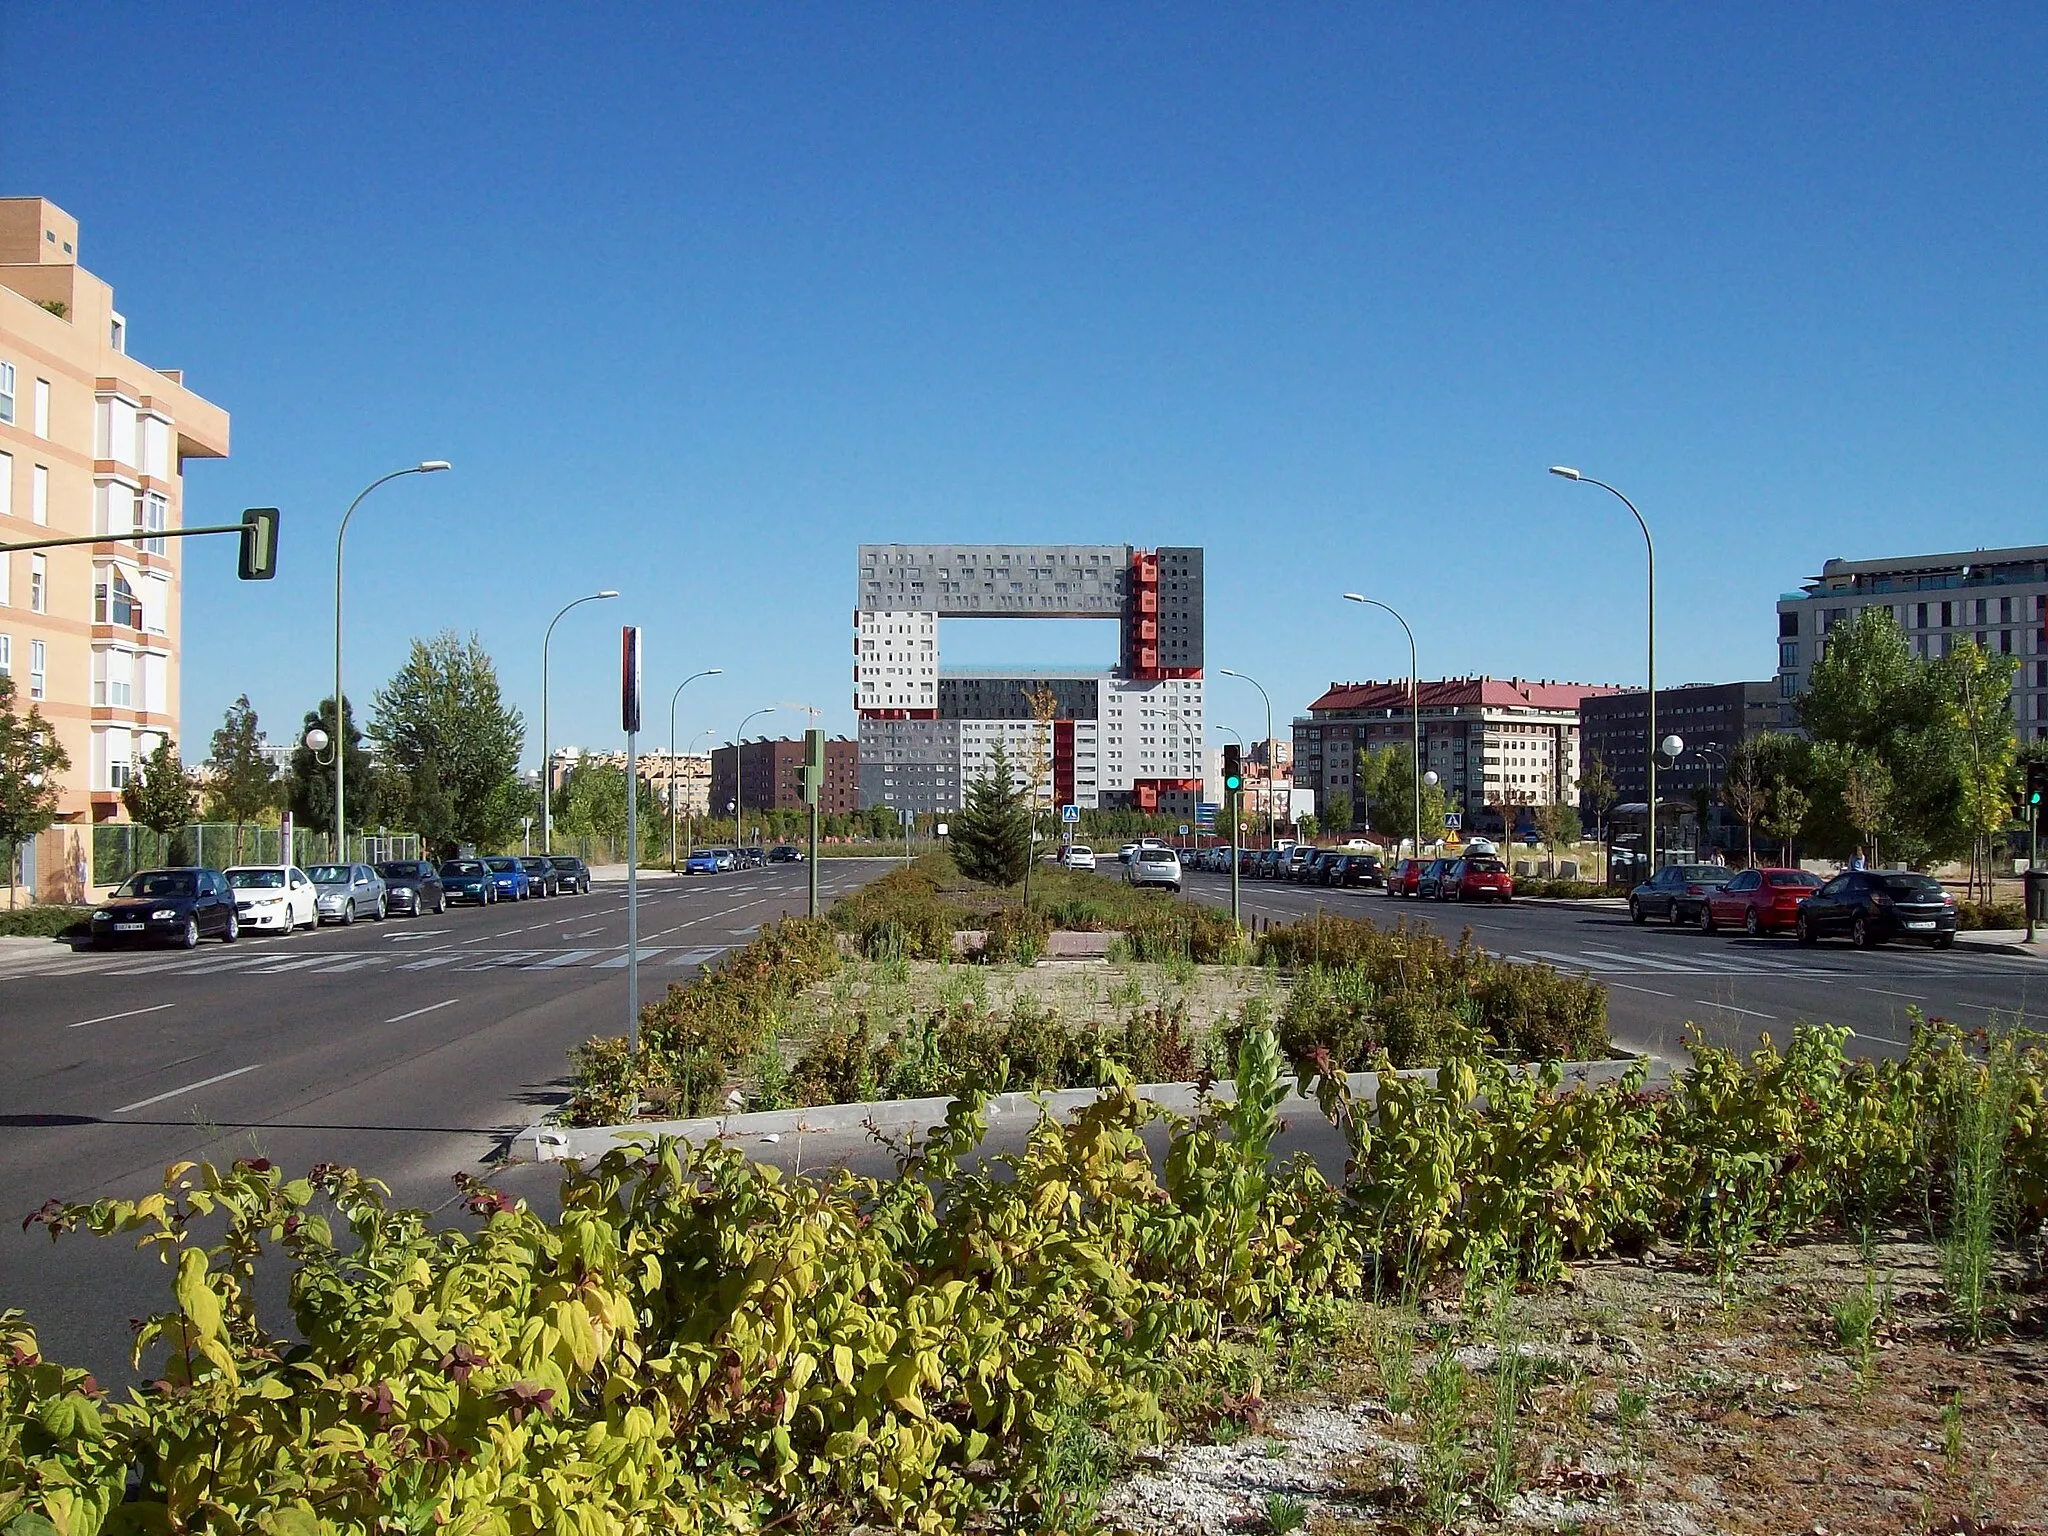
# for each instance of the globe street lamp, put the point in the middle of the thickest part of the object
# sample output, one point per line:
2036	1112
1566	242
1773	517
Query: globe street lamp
1247	678
707	672
547	771
424	467
1565	472
1414	705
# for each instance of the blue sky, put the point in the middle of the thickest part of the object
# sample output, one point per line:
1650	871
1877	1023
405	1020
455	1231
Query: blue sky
698	299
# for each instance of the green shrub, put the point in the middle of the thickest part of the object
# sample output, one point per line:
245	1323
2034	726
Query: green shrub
45	922
1975	916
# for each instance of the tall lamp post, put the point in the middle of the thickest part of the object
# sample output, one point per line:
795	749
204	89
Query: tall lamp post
547	774
738	795
707	672
1244	677
1565	472
424	467
1414	704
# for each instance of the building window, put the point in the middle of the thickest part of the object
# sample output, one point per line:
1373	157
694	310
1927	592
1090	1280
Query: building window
6	655
38	585
1786	682
39	495
6	485
1788	625
38	655
1788	653
114	602
42	407
7	393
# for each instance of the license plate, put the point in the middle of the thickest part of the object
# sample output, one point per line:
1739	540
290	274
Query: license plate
1921	923
128	927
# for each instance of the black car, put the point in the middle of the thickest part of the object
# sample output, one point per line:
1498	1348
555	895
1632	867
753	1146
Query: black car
541	876
1429	886
1872	905
572	875
1317	871
469	880
785	853
1676	892
412	886
1362	869
171	906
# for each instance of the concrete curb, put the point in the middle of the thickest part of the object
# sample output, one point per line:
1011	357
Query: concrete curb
1995	942
544	1143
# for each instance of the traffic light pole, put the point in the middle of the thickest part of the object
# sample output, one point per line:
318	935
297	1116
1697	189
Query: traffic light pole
1236	855
813	860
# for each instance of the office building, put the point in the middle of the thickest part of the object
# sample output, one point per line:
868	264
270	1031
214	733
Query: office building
1711	719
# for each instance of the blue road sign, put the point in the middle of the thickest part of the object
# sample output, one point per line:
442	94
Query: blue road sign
1070	813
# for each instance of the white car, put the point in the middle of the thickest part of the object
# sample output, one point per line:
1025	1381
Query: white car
1080	858
272	898
1154	866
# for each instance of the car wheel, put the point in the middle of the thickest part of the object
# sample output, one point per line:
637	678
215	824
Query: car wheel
1803	929
440	904
348	915
383	909
1752	924
1636	914
1860	935
1706	918
1672	915
189	939
233	931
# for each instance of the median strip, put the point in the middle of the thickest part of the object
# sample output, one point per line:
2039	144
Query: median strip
108	1018
204	1082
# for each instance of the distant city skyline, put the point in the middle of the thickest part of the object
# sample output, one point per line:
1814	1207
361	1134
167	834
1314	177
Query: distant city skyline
699	302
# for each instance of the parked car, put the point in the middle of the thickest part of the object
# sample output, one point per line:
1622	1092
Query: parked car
1364	869
1430	881
172	906
751	857
509	878
413	886
469	880
1483	879
272	897
704	861
1871	906
1154	866
1299	857
572	875
345	892
1317	870
541	876
1406	876
785	853
1676	892
1079	857
1758	901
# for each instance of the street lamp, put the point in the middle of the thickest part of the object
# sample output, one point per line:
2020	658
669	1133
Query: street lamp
1414	706
547	774
1247	678
1565	472
737	792
424	467
707	672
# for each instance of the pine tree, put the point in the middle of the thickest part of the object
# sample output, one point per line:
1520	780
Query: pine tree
992	838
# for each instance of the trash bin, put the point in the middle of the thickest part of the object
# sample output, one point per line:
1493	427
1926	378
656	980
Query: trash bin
2037	895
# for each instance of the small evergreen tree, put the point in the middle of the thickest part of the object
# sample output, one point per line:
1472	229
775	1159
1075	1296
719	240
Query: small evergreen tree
161	796
242	782
992	838
31	759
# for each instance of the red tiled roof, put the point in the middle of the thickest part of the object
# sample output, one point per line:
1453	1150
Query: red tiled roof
1458	692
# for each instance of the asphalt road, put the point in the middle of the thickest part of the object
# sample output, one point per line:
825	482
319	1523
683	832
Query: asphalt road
412	1049
1731	989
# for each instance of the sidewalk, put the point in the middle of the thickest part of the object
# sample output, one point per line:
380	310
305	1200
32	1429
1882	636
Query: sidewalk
2004	941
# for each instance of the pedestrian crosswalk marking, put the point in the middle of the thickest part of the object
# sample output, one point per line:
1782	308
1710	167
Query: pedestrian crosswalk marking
618	961
556	962
697	956
431	961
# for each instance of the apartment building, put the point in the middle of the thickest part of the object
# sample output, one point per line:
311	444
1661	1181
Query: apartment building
91	443
1995	597
1711	719
1489	740
689	772
771	775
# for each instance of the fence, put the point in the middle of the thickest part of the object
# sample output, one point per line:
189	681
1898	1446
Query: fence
121	848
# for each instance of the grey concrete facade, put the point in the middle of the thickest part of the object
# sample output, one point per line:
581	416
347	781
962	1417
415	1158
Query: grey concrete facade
1041	581
911	765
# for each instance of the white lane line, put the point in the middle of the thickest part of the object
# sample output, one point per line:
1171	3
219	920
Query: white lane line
1731	1008
430	1008
1631	962
618	962
417	933
515	957
108	1018
1918	997
351	965
570	958
697	956
1627	988
204	1082
586	933
433	960
292	965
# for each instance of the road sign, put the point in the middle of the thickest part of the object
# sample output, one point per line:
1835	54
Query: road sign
1453	821
1205	815
629	678
1070	813
1183	829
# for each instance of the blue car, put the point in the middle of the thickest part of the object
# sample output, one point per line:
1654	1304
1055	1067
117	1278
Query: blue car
703	862
469	880
509	876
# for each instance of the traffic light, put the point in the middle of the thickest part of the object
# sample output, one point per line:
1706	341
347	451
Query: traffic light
814	766
1233	771
2037	787
259	544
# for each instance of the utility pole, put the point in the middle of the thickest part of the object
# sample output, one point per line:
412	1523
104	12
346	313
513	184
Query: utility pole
629	712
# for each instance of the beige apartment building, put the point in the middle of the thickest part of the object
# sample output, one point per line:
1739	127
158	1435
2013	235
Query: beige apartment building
91	442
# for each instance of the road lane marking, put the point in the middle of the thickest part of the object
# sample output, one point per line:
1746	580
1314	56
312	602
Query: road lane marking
1627	988
586	933
108	1018
430	1008
570	958
433	960
1731	1008
204	1082
497	962
618	962
350	965
417	933
291	965
697	956
1918	997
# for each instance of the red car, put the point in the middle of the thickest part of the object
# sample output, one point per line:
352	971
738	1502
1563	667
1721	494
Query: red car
1758	901
1484	880
1405	877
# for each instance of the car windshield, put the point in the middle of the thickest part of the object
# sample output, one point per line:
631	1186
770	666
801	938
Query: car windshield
463	867
1156	855
1908	885
328	874
535	866
1706	874
1485	867
256	879
502	864
403	869
1797	879
156	884
562	861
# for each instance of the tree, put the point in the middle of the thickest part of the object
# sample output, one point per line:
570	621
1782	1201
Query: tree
241	782
1392	771
1045	707
591	802
310	788
1866	793
1784	815
451	746
1305	826
1558	822
1745	789
1598	791
161	796
992	838
31	762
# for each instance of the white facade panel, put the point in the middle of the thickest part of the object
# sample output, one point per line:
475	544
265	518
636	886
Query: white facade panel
896	660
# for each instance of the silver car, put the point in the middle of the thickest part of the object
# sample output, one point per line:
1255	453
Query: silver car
1154	866
345	892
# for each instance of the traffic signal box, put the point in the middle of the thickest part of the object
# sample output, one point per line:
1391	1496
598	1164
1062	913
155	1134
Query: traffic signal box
814	766
1233	770
2037	789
